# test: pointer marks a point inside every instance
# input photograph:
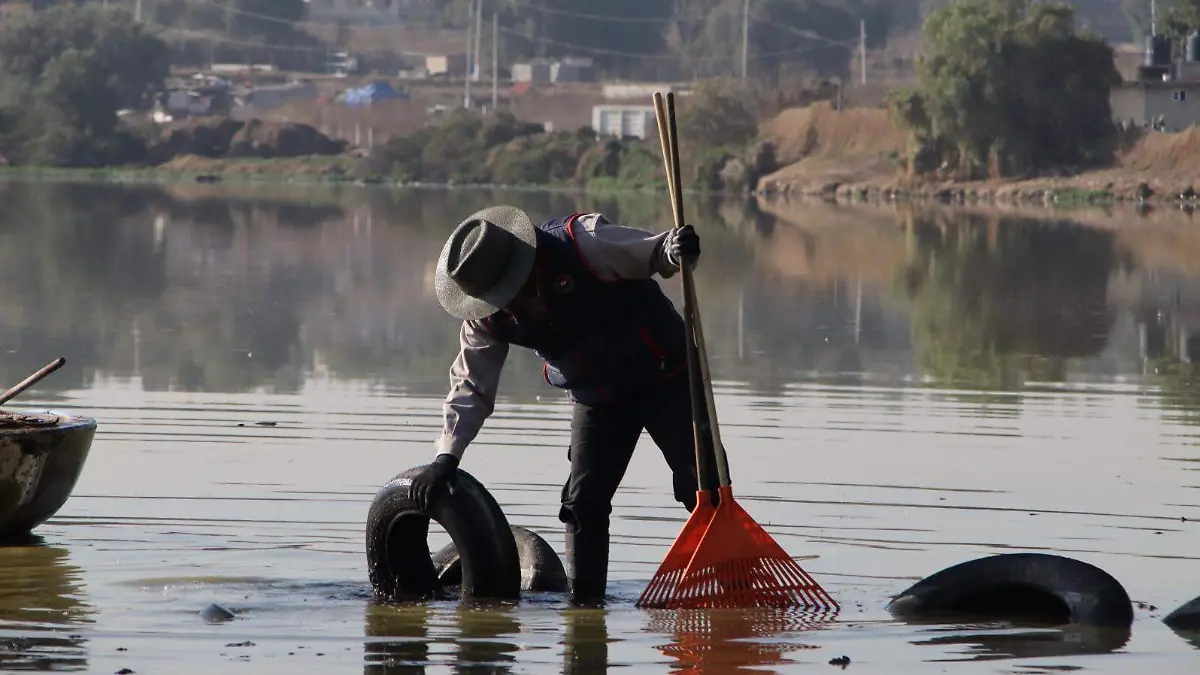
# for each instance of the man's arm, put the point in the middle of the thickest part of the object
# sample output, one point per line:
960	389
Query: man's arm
619	252
474	380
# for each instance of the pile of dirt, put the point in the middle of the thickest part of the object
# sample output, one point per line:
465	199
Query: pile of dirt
224	137
819	129
822	148
1165	153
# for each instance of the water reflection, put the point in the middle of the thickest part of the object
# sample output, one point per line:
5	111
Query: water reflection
400	639
1192	637
1022	643
733	641
485	640
42	611
585	641
406	647
998	303
240	288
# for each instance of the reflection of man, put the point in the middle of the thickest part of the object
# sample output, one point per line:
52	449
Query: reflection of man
579	291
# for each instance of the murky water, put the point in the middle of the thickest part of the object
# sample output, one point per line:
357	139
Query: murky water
898	393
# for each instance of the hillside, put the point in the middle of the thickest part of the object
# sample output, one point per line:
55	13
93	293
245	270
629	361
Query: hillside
826	152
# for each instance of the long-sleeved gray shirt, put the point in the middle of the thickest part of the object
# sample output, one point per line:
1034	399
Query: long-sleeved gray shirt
612	252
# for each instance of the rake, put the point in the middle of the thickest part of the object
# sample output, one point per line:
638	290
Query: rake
721	558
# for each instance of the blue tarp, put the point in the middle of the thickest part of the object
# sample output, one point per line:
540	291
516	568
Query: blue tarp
376	91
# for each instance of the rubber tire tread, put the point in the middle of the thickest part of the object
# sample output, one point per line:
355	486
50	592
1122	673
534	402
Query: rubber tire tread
399	565
542	569
1089	594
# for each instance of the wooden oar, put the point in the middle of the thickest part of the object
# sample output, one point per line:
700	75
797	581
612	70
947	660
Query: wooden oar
32	380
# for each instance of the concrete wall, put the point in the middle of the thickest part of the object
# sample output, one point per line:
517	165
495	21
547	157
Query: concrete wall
1144	103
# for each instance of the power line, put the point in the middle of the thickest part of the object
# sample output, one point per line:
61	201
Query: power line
276	20
671	57
608	18
198	35
203	36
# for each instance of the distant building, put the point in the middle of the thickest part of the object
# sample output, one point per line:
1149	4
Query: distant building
571	69
535	71
446	64
625	91
1160	93
1166	106
624	121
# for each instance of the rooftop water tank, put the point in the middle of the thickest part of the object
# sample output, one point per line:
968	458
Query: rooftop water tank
1158	50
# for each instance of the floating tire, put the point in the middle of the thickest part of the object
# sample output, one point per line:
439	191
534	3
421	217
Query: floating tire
1033	587
1186	617
398	561
542	570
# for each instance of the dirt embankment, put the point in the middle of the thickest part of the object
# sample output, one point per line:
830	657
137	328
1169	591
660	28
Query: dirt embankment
822	148
857	155
255	146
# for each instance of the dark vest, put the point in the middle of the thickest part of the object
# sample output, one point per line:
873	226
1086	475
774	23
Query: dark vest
604	338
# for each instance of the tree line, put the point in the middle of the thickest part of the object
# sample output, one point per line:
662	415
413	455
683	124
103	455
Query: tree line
1004	87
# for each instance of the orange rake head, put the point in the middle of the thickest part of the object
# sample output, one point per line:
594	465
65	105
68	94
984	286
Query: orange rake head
737	564
660	589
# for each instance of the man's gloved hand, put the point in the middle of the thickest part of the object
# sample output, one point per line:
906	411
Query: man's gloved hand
683	245
427	485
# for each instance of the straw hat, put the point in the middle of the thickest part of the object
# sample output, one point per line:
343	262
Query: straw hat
485	262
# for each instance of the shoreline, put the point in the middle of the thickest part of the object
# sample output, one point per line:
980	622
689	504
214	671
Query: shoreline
1103	187
1107	187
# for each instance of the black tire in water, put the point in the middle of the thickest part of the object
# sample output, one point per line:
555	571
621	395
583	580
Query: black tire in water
542	570
398	560
1034	587
1186	617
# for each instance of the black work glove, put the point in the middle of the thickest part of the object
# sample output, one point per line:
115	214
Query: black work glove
427	485
683	245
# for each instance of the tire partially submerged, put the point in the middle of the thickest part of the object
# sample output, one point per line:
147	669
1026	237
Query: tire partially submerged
1186	617
541	569
398	561
1033	587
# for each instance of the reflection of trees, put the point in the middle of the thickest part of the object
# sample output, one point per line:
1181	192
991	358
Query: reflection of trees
200	287
40	597
237	287
995	301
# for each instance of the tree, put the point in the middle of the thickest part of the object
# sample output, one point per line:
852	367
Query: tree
67	72
1006	87
819	34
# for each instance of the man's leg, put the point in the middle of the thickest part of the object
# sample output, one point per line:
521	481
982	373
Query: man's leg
602	443
667	416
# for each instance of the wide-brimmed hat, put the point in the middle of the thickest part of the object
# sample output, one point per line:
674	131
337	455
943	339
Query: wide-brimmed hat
485	262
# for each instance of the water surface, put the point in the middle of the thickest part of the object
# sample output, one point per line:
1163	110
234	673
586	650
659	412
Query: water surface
899	391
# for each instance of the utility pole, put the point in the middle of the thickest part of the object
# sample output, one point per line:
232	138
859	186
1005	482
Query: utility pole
467	61
478	31
137	10
745	36
1153	18
862	49
495	61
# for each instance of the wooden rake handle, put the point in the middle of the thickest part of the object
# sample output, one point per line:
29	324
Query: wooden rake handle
669	138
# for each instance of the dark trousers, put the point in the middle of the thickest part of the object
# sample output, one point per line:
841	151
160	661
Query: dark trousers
603	438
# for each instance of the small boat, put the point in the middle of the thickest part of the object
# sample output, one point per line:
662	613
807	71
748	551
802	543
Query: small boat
42	455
